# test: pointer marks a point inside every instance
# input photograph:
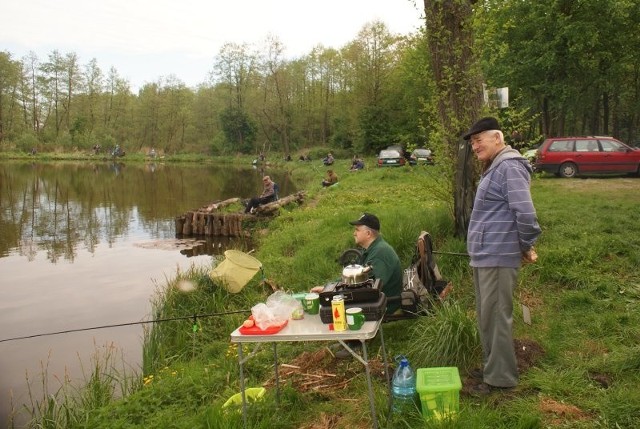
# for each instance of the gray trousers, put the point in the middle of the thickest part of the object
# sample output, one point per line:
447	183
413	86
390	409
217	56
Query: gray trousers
494	289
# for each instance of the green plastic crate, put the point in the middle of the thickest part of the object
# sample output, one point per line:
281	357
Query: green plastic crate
439	390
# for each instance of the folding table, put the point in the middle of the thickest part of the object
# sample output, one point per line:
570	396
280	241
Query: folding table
311	328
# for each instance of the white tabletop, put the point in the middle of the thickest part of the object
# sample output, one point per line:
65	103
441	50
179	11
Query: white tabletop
311	328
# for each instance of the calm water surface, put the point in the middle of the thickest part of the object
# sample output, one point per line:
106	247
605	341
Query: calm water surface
87	244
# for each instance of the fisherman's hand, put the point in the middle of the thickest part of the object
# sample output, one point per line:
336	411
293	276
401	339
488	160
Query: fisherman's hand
530	256
317	289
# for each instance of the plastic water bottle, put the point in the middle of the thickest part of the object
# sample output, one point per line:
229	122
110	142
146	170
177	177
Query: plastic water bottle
403	386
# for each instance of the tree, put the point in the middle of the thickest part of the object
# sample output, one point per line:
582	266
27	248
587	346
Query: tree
94	89
9	78
235	70
276	108
239	130
373	56
571	61
31	94
458	95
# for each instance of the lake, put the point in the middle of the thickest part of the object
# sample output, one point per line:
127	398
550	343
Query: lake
85	245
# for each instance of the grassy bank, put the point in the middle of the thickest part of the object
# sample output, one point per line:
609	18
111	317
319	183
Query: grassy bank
580	357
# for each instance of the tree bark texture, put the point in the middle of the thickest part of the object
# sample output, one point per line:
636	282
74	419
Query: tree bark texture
458	92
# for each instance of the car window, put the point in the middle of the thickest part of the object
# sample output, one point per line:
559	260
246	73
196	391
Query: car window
587	145
561	146
389	154
612	146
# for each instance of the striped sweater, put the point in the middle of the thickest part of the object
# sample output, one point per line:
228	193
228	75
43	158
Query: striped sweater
503	222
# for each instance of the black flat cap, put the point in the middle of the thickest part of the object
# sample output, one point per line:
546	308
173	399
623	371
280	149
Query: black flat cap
484	124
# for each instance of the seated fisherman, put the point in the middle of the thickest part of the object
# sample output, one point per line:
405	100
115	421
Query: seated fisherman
328	160
332	179
267	196
384	262
356	164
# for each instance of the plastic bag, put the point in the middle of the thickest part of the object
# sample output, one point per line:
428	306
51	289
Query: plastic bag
275	311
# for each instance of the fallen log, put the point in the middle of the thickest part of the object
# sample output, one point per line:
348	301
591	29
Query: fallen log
220	204
272	208
207	220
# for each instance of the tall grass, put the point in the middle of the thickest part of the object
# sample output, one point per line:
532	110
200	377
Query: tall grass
448	338
583	295
67	404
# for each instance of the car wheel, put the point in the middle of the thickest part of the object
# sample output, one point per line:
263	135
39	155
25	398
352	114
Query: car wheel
568	170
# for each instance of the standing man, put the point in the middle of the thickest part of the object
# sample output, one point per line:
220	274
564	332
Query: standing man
502	231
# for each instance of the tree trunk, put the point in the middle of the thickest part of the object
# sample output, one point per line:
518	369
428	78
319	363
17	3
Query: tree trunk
459	94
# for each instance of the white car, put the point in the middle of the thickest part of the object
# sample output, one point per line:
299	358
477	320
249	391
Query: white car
531	154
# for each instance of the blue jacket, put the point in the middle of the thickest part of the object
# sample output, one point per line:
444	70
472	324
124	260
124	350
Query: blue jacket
503	222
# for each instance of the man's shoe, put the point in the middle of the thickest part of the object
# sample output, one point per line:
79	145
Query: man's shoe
481	389
476	373
484	389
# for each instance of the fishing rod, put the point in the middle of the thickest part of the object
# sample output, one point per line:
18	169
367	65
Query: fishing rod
450	253
193	317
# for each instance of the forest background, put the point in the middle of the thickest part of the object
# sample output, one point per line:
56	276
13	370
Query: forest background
572	68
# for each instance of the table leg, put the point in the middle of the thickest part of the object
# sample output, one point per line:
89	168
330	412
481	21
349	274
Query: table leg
367	368
386	370
275	362
244	398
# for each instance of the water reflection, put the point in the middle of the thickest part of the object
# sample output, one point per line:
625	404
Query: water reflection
87	244
57	208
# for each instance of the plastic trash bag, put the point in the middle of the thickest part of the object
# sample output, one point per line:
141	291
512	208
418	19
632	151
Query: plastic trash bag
277	310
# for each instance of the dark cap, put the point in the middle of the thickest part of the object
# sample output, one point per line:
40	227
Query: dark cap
368	220
484	124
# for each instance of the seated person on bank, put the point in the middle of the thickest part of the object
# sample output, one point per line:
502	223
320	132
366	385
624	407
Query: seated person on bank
356	164
267	196
385	265
328	160
332	179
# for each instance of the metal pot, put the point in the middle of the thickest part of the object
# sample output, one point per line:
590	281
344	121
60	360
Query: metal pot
355	274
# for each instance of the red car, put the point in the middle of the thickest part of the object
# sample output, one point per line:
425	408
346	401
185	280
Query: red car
571	156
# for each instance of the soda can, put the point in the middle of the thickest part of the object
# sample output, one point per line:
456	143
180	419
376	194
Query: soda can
337	310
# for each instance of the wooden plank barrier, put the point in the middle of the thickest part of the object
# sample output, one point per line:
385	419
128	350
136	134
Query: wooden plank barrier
209	221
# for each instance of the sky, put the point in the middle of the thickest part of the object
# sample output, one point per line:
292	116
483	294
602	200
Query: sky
148	39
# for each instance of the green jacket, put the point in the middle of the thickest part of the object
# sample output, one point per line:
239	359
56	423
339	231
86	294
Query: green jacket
386	267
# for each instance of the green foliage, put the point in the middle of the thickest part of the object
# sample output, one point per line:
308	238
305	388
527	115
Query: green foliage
581	293
239	130
566	61
70	404
26	142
